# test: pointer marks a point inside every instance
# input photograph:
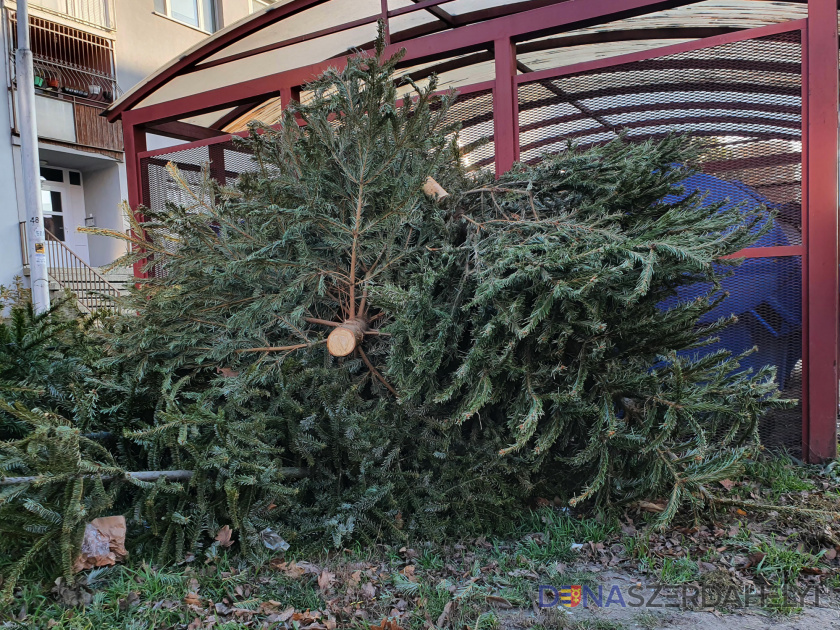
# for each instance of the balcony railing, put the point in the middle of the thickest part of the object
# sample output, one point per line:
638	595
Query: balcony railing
99	13
69	63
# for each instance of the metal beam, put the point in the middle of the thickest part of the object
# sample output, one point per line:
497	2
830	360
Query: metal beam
184	131
636	34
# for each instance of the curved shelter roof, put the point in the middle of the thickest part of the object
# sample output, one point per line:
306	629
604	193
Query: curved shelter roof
448	37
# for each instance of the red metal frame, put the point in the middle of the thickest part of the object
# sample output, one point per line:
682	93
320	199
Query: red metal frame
820	86
821	279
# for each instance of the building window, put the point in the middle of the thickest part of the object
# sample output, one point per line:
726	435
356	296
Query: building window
256	5
199	14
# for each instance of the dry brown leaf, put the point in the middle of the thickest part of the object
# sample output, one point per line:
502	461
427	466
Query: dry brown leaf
289	569
325	580
727	483
103	544
408	572
498	602
192	599
651	507
444	615
830	554
368	590
224	536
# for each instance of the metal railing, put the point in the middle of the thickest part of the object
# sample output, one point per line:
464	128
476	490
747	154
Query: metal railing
99	13
69	63
93	292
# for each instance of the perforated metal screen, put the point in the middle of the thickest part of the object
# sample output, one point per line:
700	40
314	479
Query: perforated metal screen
744	99
475	113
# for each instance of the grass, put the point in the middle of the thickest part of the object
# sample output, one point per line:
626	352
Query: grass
780	563
477	584
781	474
678	571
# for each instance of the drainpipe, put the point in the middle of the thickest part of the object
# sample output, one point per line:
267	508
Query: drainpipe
30	162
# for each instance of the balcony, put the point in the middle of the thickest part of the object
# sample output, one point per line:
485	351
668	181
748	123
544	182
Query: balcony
99	13
75	79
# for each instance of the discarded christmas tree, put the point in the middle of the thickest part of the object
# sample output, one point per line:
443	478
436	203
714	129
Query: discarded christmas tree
427	363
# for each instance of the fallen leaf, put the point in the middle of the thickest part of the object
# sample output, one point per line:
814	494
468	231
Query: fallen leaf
498	602
325	580
755	559
408	572
103	543
830	554
368	590
651	507
224	536
192	599
289	569
727	483
129	601
444	615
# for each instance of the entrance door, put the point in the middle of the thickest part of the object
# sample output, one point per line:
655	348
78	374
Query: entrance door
62	200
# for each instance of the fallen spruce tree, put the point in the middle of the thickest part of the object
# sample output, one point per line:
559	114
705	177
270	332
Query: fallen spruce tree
431	363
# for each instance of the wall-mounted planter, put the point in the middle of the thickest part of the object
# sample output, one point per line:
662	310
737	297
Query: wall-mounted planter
75	92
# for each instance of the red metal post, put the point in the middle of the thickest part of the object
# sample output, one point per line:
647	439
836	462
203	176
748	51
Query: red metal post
386	22
821	277
218	170
289	94
505	125
134	139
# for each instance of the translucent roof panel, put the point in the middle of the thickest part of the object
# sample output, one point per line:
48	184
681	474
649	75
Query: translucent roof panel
293	34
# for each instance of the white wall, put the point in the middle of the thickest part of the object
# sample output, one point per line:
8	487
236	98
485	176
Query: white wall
10	254
146	41
104	190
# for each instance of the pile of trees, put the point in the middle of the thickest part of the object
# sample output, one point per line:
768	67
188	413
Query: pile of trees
336	354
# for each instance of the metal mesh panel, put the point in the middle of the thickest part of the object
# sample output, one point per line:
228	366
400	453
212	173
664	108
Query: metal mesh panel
225	160
475	113
765	294
744	100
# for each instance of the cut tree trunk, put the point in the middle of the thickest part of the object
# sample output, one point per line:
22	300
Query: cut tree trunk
344	339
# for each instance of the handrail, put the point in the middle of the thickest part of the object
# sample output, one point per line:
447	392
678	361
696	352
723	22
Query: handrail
93	292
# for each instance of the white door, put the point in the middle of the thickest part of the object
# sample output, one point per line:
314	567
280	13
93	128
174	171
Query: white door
62	199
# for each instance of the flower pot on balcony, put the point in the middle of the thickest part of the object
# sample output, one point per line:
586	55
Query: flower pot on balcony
108	96
95	90
40	82
52	84
75	92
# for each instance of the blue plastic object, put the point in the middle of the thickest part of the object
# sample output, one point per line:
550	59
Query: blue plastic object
764	293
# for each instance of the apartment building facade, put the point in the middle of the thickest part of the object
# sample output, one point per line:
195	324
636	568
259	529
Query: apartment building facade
86	53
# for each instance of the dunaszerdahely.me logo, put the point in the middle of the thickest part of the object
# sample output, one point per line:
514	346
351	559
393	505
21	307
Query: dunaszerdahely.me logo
678	596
